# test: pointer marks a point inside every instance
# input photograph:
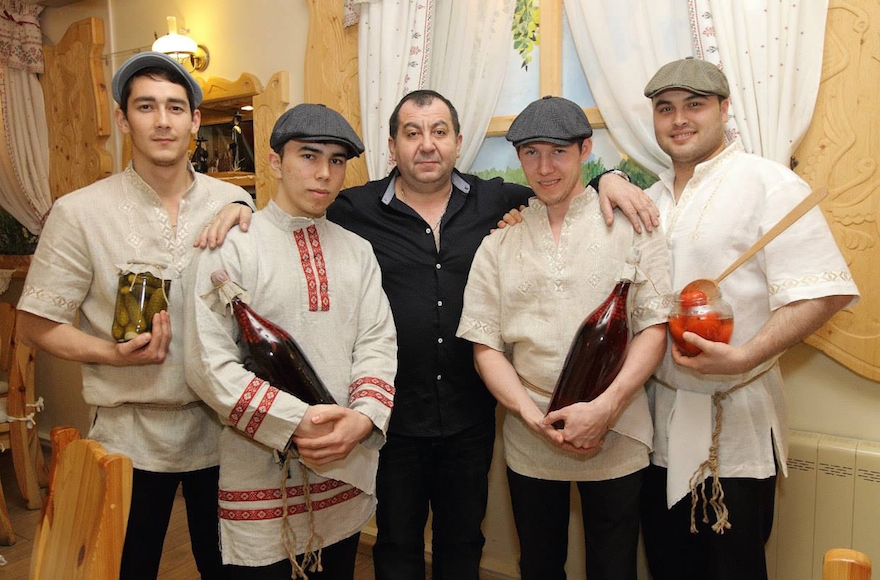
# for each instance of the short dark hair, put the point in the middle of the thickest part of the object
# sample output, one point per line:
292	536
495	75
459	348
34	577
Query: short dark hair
422	98
161	73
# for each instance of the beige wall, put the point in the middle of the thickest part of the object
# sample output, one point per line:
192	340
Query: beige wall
265	36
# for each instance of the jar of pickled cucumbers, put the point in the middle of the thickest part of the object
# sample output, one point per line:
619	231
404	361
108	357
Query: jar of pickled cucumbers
139	296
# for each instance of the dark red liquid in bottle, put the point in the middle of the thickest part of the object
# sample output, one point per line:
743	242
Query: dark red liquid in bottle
596	353
274	356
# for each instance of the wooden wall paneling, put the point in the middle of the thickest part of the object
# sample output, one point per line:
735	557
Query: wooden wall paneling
76	108
331	72
268	106
840	151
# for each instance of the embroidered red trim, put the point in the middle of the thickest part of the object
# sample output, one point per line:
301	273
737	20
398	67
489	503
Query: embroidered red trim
372	382
245	400
262	411
295	509
275	493
373	395
306	261
321	267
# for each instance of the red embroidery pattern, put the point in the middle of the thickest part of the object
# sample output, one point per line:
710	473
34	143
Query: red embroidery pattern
370	381
295	509
275	493
242	404
262	410
372	394
306	262
324	287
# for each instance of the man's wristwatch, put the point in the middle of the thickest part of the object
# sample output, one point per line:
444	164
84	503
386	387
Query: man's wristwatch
594	183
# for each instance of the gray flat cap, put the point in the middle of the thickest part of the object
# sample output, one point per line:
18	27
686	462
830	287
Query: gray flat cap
691	74
319	123
550	120
143	60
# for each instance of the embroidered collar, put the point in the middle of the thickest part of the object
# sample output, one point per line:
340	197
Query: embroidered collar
286	222
702	169
138	182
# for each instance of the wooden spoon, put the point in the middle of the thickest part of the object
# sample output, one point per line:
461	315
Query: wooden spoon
710	287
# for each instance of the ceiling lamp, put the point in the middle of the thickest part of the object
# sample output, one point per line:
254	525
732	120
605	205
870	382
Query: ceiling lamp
190	54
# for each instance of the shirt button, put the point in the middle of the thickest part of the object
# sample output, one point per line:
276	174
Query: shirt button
439	341
439	303
437	266
427	230
439	377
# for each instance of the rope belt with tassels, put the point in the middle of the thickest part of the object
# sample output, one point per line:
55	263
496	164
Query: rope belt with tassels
722	515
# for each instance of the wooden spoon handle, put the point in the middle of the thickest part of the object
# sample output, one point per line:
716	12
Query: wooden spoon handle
794	215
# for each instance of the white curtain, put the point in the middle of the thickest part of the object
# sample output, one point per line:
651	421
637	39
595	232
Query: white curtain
621	44
24	153
771	53
24	135
468	62
394	43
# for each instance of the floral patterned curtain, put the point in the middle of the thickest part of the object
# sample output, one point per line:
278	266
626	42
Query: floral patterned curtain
771	53
394	44
24	146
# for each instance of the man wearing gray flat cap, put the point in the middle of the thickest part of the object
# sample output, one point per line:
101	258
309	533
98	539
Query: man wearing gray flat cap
322	284
529	288
719	415
143	219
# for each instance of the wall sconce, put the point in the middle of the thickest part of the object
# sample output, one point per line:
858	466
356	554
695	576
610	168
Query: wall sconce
191	55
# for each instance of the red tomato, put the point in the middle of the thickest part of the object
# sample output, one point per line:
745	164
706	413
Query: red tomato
708	325
677	327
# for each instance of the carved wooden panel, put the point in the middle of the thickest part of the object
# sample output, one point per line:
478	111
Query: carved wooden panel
840	151
268	106
331	72
76	108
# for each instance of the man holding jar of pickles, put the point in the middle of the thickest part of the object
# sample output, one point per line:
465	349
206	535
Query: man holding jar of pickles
133	233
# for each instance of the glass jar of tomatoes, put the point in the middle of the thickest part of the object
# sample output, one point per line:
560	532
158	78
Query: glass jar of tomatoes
703	313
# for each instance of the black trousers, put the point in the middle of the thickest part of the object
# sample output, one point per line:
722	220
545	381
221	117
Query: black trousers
674	553
449	474
610	511
337	563
152	497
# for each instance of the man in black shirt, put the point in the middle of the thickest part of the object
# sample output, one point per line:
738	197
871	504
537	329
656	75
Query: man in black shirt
439	445
442	430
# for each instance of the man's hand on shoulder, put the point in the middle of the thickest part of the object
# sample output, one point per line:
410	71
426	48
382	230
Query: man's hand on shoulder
511	218
636	205
214	232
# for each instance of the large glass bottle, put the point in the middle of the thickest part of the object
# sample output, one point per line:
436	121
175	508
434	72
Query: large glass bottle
269	352
596	353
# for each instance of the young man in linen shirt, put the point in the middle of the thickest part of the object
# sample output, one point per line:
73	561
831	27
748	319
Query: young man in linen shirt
322	284
529	288
148	215
715	201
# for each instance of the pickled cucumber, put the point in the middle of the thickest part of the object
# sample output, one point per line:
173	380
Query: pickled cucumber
156	303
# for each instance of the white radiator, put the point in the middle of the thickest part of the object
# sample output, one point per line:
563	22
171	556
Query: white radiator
831	499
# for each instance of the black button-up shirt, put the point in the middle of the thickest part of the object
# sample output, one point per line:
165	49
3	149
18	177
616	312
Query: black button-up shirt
438	391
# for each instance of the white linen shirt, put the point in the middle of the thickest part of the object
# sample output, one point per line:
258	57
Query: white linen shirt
321	284
730	201
89	232
527	296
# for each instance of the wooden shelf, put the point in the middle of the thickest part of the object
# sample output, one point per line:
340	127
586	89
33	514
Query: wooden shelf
240	178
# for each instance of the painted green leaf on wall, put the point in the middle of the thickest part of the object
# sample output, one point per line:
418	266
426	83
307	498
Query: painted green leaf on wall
526	22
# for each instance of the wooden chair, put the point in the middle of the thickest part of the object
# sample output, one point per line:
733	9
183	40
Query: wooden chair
82	528
846	564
